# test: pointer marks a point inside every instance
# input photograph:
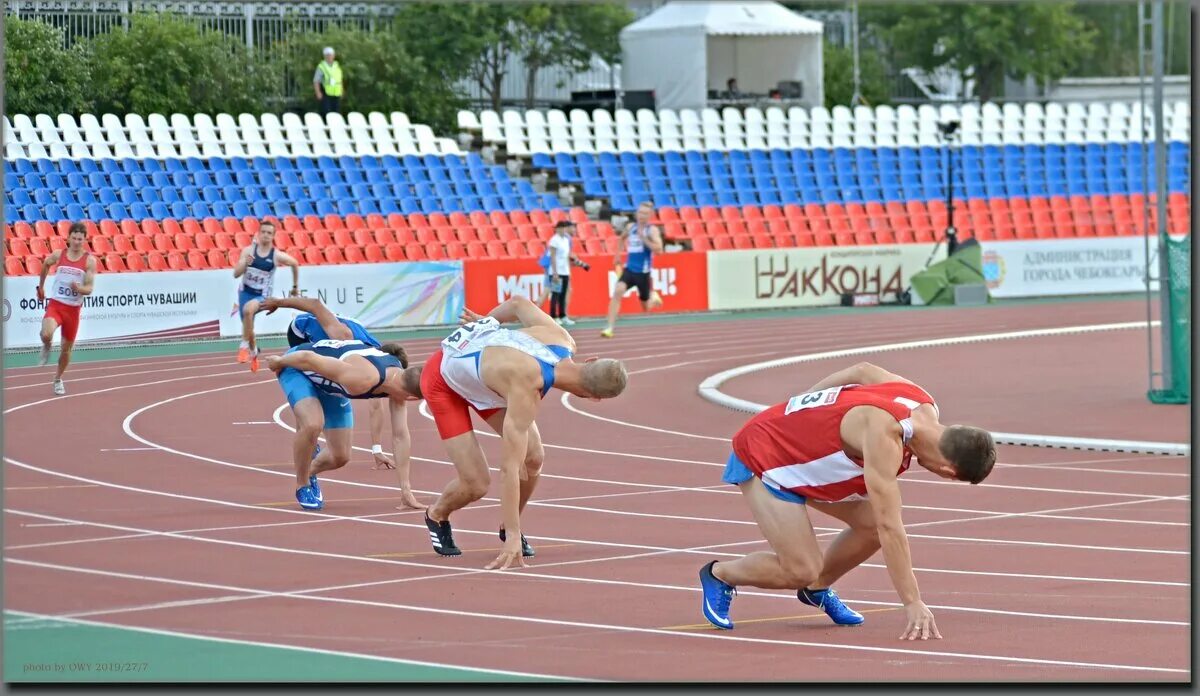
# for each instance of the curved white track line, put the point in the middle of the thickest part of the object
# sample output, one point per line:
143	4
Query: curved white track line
710	388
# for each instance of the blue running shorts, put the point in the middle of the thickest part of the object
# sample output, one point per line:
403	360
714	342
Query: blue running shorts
297	387
737	472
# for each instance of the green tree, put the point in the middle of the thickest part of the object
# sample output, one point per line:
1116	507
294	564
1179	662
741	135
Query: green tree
40	75
380	75
838	65
167	64
987	41
568	35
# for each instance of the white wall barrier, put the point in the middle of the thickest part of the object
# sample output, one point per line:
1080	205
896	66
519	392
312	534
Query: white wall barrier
1049	267
810	276
189	304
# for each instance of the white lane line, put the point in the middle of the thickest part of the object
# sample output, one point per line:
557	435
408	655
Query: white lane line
609	627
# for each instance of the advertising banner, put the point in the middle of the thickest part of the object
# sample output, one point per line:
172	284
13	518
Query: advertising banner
1049	267
376	294
680	278
810	276
130	306
192	304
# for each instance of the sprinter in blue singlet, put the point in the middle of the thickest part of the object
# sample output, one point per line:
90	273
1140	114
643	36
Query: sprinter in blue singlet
256	268
641	241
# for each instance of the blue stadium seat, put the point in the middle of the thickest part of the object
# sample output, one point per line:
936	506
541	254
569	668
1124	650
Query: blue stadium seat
74	211
160	211
179	210
262	209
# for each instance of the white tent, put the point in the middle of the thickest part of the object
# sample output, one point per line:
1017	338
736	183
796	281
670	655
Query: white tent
686	48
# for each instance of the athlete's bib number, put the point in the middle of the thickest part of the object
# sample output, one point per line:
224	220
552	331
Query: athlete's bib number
334	343
815	399
62	286
465	333
258	279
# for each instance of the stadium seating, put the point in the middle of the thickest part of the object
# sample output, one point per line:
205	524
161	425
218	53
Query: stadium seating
178	192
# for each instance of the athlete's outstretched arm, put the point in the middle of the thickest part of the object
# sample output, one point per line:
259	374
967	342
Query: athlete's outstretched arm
860	373
402	451
243	262
879	438
354	380
522	396
327	319
89	278
46	264
285	259
523	310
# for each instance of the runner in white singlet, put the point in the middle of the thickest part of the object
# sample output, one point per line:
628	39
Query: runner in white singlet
502	374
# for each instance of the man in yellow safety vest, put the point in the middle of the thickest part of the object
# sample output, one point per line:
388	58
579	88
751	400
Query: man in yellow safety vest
327	83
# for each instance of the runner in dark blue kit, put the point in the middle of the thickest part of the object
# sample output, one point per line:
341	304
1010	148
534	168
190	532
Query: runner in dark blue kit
320	378
641	240
256	268
316	322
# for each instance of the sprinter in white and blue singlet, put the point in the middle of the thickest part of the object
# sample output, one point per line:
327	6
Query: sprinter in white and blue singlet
503	375
319	380
256	267
315	322
640	241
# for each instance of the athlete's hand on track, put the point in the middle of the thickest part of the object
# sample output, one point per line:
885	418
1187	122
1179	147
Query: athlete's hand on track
275	363
382	461
468	316
509	555
408	501
41	292
920	622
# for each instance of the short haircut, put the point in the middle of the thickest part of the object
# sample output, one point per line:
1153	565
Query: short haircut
77	227
563	224
971	450
646	204
264	223
394	348
605	378
412	380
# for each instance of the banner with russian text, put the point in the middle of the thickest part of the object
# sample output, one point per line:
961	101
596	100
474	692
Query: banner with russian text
811	276
198	304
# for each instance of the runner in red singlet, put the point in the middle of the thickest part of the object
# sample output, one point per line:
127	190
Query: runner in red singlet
839	448
73	279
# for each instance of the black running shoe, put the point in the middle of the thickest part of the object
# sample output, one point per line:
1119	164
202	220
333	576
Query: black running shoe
526	550
442	537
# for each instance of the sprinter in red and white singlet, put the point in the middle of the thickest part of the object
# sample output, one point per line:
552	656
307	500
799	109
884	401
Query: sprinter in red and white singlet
839	448
72	281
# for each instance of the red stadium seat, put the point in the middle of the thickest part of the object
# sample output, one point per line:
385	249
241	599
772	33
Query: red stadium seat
14	266
395	252
197	261
354	254
217	258
374	253
415	251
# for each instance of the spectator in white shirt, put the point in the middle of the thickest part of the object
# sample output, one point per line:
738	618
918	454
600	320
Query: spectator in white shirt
559	269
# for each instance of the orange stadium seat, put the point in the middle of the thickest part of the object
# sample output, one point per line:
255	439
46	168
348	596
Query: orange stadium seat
395	252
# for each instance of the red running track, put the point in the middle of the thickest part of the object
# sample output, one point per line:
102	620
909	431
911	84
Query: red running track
167	503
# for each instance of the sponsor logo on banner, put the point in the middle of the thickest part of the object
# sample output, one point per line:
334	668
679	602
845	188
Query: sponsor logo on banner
809	276
529	285
1048	267
681	279
993	269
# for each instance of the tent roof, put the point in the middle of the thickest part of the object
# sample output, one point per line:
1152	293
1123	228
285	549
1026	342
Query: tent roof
725	18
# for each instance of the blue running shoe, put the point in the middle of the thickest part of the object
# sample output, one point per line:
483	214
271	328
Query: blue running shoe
307	499
316	487
828	601
717	596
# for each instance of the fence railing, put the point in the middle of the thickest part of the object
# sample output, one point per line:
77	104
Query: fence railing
268	26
